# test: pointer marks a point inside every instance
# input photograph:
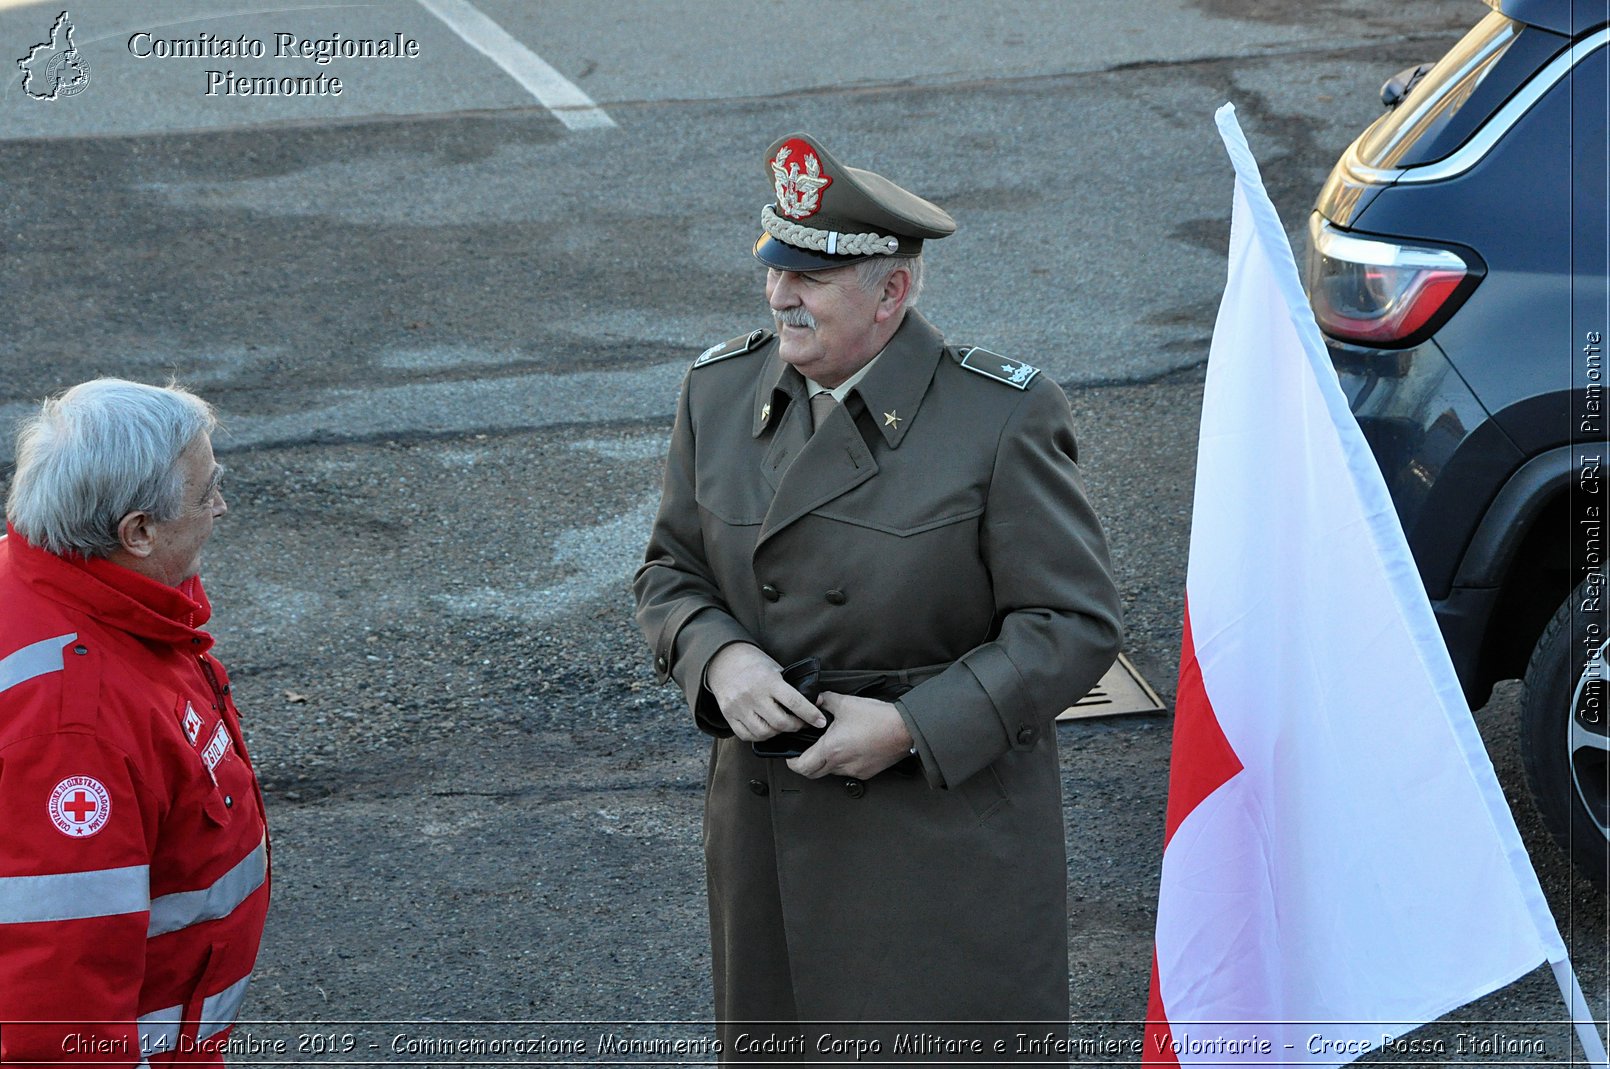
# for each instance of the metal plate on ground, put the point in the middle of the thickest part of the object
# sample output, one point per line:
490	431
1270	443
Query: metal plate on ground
1123	691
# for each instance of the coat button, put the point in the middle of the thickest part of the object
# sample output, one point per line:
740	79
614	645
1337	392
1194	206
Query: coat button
835	597
759	787
770	593
662	662
854	788
229	801
1026	735
81	649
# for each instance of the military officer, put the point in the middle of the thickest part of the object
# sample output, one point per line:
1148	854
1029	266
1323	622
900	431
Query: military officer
850	486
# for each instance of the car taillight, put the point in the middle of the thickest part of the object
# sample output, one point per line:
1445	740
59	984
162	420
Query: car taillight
1380	292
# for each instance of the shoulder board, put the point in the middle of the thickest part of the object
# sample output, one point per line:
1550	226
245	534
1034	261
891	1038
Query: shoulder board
81	683
743	343
1000	368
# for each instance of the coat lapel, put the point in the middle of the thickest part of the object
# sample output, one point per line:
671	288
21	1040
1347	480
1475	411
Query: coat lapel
780	404
807	470
893	390
833	461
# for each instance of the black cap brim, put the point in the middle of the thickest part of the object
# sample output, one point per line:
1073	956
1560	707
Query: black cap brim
785	257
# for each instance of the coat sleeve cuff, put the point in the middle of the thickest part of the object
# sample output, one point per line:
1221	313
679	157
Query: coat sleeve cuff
704	634
1008	697
925	754
955	742
966	717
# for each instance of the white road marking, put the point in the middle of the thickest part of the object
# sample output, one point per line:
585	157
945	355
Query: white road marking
554	91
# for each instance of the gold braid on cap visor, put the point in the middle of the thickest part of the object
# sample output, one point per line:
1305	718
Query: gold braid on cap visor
829	241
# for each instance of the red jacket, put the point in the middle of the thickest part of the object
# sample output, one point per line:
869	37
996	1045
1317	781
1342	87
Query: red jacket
133	849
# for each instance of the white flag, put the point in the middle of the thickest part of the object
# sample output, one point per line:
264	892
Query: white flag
1340	865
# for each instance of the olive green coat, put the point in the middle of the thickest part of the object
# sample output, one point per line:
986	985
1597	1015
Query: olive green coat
933	530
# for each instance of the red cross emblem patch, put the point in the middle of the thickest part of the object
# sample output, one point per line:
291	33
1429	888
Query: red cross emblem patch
80	806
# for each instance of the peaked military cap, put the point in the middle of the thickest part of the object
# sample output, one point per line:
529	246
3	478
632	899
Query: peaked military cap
829	215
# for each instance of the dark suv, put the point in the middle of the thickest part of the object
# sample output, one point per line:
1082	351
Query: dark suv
1457	265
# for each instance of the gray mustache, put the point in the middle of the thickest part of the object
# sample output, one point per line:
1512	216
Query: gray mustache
794	317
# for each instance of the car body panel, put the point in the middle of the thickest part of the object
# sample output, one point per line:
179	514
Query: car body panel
1461	423
1442	457
1572	17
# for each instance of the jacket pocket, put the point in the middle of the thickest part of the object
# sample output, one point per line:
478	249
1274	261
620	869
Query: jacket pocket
985	793
894	523
733	504
213	1006
215	809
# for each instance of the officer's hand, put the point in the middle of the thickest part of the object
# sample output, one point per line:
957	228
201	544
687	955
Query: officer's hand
749	688
867	737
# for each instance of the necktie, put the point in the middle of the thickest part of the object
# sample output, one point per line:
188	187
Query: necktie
821	404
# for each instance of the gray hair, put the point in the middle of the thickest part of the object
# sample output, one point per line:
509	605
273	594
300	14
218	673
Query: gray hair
97	452
873	273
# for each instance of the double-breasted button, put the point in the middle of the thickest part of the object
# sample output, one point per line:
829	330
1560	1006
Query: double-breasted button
758	787
854	788
835	597
770	593
1026	735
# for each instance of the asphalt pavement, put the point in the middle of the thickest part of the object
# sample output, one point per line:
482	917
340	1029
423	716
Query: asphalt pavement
444	313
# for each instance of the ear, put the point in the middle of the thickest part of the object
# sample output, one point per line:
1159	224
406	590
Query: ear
136	534
893	298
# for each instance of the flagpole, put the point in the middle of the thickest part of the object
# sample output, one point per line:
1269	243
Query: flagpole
1587	1031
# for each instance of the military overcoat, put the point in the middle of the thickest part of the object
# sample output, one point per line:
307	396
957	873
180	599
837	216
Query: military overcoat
933	532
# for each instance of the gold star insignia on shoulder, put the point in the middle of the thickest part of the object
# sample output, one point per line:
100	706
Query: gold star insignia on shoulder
765	412
891	420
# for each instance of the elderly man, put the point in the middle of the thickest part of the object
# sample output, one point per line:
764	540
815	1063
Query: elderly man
133	850
854	489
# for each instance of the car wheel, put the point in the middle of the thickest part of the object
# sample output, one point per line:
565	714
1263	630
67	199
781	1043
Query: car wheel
1565	740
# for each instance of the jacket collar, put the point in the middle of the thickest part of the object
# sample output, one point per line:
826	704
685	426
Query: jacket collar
892	391
779	384
114	595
